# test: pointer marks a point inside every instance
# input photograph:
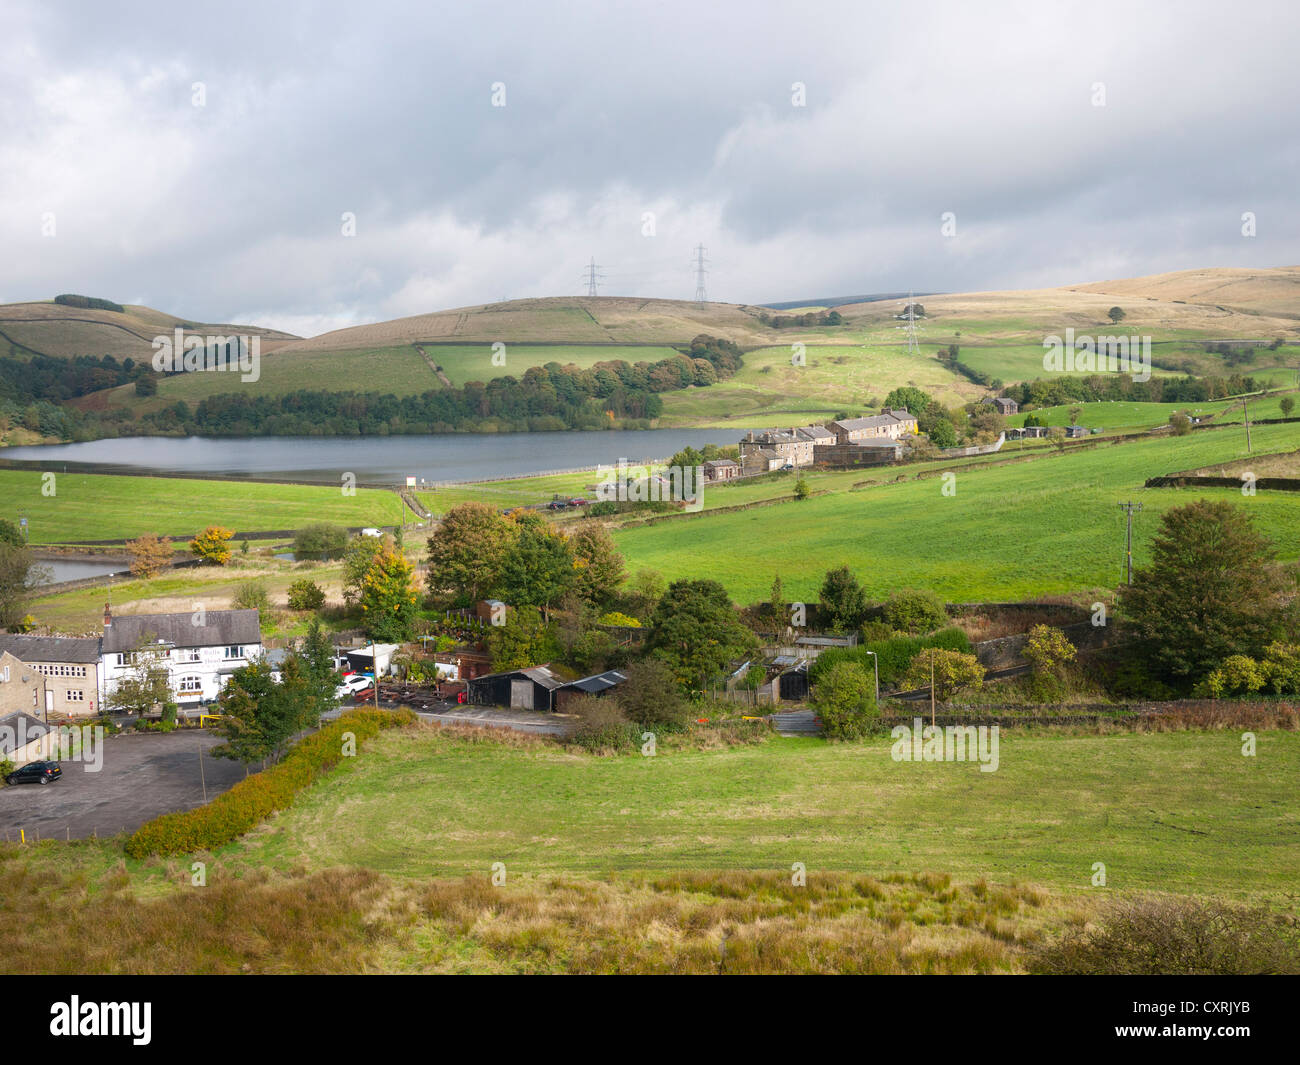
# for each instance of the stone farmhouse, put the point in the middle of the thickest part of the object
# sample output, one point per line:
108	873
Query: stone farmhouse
64	674
794	447
889	425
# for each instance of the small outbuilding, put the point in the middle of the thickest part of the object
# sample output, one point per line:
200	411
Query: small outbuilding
519	689
597	684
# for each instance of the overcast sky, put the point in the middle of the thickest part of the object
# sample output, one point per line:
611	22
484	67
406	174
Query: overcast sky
232	211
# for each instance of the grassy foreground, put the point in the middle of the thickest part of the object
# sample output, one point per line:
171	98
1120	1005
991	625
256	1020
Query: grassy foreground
680	863
1179	811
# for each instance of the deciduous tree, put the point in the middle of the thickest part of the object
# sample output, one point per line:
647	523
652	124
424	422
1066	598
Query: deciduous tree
150	555
389	600
212	545
468	550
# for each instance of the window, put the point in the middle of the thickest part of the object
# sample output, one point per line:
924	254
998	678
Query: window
234	651
61	671
190	686
186	654
76	695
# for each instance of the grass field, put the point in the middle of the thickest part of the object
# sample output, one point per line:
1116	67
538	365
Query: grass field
106	507
1047	525
1178	811
631	864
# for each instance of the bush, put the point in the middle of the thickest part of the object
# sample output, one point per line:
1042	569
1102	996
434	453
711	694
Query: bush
306	595
1174	937
895	654
1239	675
252	596
1282	667
875	631
915	612
1049	652
255	798
617	619
952	671
602	725
6	767
845	701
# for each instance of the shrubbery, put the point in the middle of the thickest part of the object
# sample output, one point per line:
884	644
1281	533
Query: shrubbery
915	612
306	594
602	725
845	701
895	654
252	596
1175	937
254	799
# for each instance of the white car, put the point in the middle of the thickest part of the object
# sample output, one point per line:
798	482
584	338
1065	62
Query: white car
353	685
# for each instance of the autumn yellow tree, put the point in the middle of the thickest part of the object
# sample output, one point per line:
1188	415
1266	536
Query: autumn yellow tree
213	545
389	599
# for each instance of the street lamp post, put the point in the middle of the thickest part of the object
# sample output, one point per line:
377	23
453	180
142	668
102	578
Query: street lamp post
875	661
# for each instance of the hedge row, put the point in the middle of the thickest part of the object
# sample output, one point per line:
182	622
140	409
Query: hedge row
896	654
256	798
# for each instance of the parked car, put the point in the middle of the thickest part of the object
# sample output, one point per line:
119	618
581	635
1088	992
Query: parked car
35	773
358	682
557	504
578	501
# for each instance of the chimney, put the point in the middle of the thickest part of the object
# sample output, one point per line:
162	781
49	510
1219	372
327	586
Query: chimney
108	616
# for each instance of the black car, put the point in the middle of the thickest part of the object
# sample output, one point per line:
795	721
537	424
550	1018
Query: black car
35	773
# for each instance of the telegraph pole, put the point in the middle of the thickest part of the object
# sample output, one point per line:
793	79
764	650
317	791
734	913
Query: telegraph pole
932	687
1246	412
1129	510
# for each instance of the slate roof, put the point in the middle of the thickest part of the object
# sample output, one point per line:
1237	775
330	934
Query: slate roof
875	421
33	728
221	627
815	432
52	648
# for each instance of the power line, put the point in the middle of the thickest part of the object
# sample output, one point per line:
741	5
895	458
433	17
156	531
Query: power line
700	271
1130	509
592	276
909	316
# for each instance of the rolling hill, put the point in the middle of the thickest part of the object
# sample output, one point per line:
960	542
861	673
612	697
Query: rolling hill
850	365
49	328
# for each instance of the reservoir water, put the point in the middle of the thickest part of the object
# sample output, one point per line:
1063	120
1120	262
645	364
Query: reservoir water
372	459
